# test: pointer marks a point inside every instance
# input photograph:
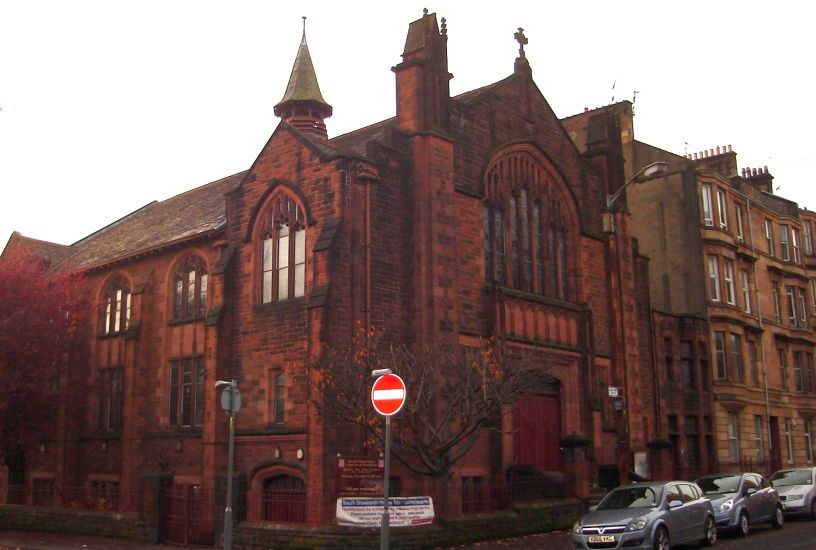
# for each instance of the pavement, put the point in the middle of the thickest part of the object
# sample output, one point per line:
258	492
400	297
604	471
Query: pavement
33	540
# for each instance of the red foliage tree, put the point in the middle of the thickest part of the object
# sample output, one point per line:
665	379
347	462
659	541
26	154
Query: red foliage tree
39	310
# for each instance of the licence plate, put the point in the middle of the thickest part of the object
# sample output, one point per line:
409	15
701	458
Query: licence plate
602	538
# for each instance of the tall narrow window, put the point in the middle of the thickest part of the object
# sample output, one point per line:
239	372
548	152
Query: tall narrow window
186	392
279	398
810	381
738	212
797	258
526	253
807	233
283	265
791	299
752	362
730	290
116	307
777	308
783	368
687	364
668	357
705	193
515	268
733	437
110	400
538	240
758	444
769	238
746	291
802	308
798	378
813	296
722	209
783	243
190	290
488	243
501	255
789	439
737	373
692	441
809	441
719	350
562	263
713	279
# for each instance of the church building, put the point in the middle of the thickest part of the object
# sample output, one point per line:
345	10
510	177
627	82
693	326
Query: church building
459	218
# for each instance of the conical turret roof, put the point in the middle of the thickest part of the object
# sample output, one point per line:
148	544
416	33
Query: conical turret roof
303	84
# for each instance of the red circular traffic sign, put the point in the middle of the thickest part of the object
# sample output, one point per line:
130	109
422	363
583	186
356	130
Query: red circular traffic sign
388	394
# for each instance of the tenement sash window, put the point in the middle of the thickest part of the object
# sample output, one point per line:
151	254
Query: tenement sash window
110	400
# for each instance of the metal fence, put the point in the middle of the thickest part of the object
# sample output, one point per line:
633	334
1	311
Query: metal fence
486	497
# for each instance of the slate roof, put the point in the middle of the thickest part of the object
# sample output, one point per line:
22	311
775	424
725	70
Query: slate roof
157	224
52	252
303	84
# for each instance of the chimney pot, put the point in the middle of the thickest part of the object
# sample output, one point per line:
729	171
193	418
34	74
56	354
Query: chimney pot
586	109
711	152
718	149
753	171
765	169
729	148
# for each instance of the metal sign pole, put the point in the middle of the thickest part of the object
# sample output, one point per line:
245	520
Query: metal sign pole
386	483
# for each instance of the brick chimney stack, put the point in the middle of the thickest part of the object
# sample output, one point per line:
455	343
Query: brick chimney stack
759	178
423	80
721	160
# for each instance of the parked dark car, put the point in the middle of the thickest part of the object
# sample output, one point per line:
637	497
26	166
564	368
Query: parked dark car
654	515
742	499
797	491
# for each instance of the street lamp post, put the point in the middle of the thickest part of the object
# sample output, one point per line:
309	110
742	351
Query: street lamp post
648	172
231	403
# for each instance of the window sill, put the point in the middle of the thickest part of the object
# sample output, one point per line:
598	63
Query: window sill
182	431
283	306
185	321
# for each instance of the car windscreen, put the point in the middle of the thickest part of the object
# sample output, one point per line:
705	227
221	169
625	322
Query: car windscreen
632	497
792	477
719	485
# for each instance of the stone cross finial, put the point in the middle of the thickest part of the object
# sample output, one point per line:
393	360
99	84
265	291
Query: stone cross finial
522	40
304	24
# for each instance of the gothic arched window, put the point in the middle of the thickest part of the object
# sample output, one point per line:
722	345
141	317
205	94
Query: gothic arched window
116	306
190	290
283	238
526	233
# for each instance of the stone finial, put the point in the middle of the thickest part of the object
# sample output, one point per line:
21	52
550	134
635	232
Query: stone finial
522	40
444	30
424	12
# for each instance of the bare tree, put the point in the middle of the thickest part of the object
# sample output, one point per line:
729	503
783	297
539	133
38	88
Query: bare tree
455	395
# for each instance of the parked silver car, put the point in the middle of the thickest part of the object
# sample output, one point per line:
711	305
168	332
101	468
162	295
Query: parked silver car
796	491
653	515
742	499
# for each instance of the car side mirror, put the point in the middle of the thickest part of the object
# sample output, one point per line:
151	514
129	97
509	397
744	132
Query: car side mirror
750	491
593	507
675	503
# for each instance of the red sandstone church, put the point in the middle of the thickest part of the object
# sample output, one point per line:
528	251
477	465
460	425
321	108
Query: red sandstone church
460	217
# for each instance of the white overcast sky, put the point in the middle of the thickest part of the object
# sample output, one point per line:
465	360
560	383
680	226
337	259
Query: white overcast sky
109	105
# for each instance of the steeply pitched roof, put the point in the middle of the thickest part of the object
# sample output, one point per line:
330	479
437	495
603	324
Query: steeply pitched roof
157	224
303	84
357	141
52	252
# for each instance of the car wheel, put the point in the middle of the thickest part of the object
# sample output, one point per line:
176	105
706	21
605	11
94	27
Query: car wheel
661	539
742	525
778	519
710	537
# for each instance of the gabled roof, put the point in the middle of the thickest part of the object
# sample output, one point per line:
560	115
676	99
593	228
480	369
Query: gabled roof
160	223
52	252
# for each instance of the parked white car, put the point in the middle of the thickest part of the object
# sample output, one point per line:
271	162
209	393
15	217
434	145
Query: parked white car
797	491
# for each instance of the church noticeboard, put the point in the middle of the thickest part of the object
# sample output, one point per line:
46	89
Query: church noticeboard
359	477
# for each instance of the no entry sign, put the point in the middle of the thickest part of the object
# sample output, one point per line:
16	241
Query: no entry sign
388	394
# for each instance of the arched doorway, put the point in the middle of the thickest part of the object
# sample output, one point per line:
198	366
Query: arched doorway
284	499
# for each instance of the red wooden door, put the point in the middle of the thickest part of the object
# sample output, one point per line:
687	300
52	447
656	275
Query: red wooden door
537	419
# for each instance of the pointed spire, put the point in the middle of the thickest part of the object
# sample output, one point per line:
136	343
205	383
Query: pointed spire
303	105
